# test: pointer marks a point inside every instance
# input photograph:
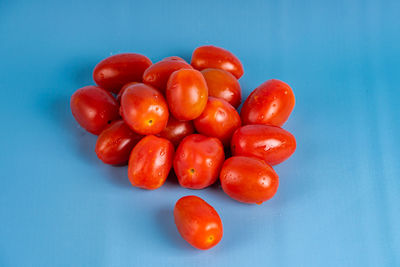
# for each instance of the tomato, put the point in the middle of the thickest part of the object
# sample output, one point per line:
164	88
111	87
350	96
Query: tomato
198	222
150	162
174	58
224	85
248	180
144	109
270	103
269	143
115	143
115	71
187	94
119	95
177	130
219	119
157	74
198	160
94	108
210	56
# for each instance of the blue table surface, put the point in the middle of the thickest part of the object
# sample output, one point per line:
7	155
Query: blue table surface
339	198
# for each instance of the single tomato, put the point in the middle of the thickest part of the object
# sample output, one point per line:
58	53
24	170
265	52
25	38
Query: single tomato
150	162
177	130
123	90
198	222
270	103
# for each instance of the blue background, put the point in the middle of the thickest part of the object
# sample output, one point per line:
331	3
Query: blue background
338	203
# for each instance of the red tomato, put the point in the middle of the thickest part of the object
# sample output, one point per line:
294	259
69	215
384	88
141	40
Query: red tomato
119	95
248	180
269	143
198	222
115	143
157	74
144	109
114	72
198	160
150	162
187	94
177	130
224	85
271	103
210	56
94	108
219	119
174	58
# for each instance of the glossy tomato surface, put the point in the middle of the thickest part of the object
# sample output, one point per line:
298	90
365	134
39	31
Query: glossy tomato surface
210	56
198	160
115	71
270	103
94	108
269	143
115	143
176	130
223	84
248	180
198	222
187	94
219	119
144	109
119	95
150	162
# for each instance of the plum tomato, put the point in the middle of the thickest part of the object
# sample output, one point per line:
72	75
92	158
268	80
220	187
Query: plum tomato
210	56
248	180
144	109
150	162
115	71
123	90
177	130
269	143
94	108
198	160
187	94
270	103
224	85
198	222
115	143
219	119
157	74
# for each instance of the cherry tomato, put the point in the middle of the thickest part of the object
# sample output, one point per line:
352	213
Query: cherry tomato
210	56
144	109
187	94
157	74
94	108
150	162
115	143
114	72
174	58
198	222
270	103
198	160
248	180
177	130
219	119
269	143
119	95
224	85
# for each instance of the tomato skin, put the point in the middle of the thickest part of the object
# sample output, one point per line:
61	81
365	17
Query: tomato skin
269	143
144	109
210	56
115	143
119	95
176	130
187	94
150	162
224	85
174	58
198	160
198	222
219	119
270	103
94	108
157	74
248	180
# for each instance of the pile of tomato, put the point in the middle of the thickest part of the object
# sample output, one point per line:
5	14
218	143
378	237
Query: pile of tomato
175	116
